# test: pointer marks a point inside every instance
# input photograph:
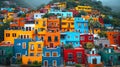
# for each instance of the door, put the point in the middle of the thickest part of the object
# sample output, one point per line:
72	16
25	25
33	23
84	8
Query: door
94	61
51	45
54	63
45	63
18	56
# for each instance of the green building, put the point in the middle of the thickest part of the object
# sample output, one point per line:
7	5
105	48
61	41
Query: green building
110	56
6	52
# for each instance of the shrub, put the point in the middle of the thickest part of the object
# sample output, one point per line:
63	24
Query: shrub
77	65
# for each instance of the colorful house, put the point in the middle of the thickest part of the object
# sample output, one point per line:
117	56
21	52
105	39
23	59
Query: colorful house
40	28
20	48
35	50
53	24
93	59
74	56
84	8
113	37
102	42
70	38
6	52
67	24
86	38
52	39
10	35
61	14
38	15
81	25
18	23
51	57
110	56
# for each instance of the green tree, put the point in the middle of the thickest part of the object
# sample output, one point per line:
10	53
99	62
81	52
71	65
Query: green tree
102	34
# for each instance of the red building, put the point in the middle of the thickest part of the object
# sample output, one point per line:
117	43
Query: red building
73	56
85	38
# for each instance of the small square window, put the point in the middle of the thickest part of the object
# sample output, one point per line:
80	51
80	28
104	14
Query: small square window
68	36
39	45
82	38
54	54
90	38
24	45
31	54
38	54
7	34
47	54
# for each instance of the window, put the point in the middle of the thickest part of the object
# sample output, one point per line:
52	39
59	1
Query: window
18	44
21	36
39	45
63	23
24	45
27	36
26	28
90	37
44	23
38	54
14	35
31	54
2	52
70	56
32	47
79	24
85	25
82	38
118	58
47	54
68	36
62	36
29	28
36	22
49	38
76	42
36	15
56	38
76	36
42	38
7	34
79	54
54	54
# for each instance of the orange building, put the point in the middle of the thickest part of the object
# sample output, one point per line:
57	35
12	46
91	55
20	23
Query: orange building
34	52
113	37
67	24
53	24
52	39
17	23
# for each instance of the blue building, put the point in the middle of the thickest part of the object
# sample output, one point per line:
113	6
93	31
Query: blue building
51	57
20	47
81	25
70	38
61	14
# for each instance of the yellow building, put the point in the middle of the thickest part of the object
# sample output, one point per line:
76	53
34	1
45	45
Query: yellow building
84	8
67	24
40	28
41	25
96	30
34	52
10	35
